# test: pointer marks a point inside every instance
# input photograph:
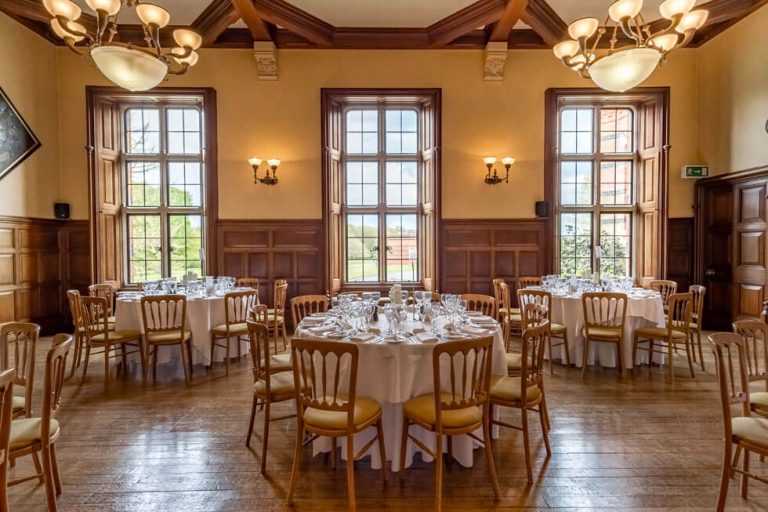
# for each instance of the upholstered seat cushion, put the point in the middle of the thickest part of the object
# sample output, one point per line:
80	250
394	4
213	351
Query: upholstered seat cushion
515	318
558	329
422	409
659	333
281	384
509	311
366	410
27	431
509	389
515	361
234	329
280	363
18	403
759	401
158	338
754	430
604	332
117	337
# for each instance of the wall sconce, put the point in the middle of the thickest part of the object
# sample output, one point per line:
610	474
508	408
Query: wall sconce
268	179
496	179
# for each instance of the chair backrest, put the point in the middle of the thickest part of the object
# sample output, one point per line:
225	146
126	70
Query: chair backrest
534	314
679	312
698	292
237	306
251	282
304	305
526	281
258	334
532	356
730	365
468	364
496	283
485	304
542	297
106	291
20	340
665	288
755	334
55	371
603	309
6	415
164	313
259	313
95	311
325	374
73	297
280	293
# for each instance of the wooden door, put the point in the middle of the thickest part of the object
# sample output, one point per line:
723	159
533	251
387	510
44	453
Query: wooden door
749	231
714	230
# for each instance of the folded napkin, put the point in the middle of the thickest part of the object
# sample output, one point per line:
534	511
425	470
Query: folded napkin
322	329
363	337
425	337
469	329
313	320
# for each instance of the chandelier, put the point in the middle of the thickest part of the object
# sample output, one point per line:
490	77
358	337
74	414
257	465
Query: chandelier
621	69
131	67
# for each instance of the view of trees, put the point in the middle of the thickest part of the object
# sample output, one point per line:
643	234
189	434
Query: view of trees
576	252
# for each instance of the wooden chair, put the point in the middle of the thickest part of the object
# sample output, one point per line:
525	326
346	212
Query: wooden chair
528	281
755	334
526	391
670	338
97	334
20	339
484	304
502	310
458	409
748	433
666	289
37	436
304	305
250	282
6	413
73	297
237	305
165	321
278	362
605	316
327	404
277	313
697	317
107	291
557	331
268	386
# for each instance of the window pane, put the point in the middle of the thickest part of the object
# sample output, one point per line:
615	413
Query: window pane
143	183
402	247
616	134
186	240
142	131
402	186
401	134
615	243
576	183
575	243
144	248
616	183
362	129
362	248
576	131
183	131
184	184
362	183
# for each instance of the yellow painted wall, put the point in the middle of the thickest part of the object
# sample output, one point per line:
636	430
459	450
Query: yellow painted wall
282	119
28	71
733	96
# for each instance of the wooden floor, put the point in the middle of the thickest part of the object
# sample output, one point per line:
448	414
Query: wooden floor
636	442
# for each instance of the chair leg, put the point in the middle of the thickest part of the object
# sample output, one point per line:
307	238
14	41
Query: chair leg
651	348
566	349
585	358
296	456
545	413
76	353
239	348
671	351
226	361
285	336
55	470
38	467
87	360
154	362
551	357
438	471
334	453
143	357
50	488
351	471
620	358
184	362
213	348
125	359
544	430
735	463
251	421
701	353
189	358
689	348
527	445
489	454
382	449
107	348
264	438
403	446
634	351
725	477
744	477
4	488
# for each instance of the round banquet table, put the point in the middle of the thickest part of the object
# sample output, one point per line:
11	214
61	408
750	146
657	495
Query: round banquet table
644	309
203	313
393	373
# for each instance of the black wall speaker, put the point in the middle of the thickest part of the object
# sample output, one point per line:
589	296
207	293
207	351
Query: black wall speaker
61	210
542	209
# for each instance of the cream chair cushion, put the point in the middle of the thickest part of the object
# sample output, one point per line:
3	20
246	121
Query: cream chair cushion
281	384
18	403
515	361
558	329
754	430
758	401
604	332
280	363
659	333
117	337
366	410
27	431
234	329
422	409
509	389
167	337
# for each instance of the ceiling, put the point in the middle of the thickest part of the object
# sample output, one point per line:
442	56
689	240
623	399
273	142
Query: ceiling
570	10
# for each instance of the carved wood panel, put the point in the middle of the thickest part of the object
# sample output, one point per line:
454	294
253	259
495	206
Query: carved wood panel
680	252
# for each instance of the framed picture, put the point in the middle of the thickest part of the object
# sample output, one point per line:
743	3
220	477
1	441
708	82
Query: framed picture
17	141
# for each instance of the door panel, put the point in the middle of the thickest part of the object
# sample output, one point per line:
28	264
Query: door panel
749	270
715	213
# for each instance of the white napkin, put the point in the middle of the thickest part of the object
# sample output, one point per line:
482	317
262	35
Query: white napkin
426	337
473	330
363	337
313	320
323	329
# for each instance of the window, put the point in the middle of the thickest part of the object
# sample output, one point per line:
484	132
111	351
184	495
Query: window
163	211
597	162
381	188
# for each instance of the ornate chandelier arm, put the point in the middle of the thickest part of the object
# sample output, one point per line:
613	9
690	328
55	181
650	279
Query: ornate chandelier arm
76	34
180	70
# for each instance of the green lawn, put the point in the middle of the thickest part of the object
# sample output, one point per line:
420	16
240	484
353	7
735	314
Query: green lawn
355	270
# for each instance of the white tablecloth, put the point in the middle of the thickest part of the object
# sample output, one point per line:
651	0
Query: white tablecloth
642	311
202	315
392	374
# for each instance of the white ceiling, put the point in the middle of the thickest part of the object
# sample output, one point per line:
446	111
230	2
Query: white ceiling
570	10
183	12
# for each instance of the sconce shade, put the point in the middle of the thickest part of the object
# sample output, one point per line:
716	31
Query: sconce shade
254	161
153	14
273	162
130	69
185	37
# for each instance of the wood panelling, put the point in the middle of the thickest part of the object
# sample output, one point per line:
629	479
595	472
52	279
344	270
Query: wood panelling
269	250
39	260
472	252
680	252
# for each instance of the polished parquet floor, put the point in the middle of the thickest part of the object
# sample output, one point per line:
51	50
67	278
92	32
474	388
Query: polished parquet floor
632	443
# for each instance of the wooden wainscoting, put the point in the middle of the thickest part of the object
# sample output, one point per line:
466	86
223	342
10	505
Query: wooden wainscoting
472	252
269	250
680	251
36	269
